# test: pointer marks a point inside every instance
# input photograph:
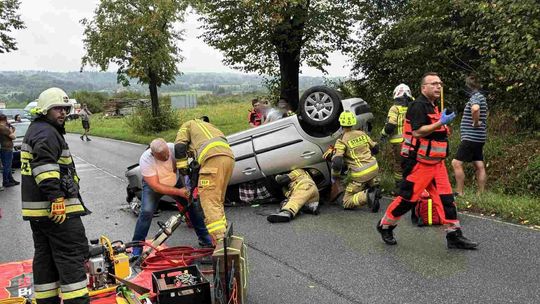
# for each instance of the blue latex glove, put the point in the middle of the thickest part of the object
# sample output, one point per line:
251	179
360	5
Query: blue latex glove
447	118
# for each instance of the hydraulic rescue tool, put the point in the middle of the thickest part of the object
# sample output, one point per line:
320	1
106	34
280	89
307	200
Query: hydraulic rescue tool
167	228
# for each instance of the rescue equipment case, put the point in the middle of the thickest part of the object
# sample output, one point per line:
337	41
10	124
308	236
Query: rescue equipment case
424	212
167	292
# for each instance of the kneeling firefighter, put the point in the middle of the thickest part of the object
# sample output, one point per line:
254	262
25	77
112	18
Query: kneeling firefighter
53	205
301	193
207	145
355	149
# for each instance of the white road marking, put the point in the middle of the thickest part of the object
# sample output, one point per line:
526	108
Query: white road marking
86	163
499	221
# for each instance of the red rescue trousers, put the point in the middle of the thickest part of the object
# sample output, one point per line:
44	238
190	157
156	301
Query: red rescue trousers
418	177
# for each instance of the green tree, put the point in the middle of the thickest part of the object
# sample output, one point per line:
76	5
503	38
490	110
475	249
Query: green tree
137	36
9	20
274	37
498	40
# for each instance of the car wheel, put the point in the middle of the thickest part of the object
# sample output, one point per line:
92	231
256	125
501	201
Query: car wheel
320	106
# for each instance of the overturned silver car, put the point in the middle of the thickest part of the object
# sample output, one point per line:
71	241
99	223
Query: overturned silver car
297	141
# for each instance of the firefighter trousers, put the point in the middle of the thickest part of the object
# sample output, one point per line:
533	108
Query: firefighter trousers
418	177
356	192
214	177
396	162
304	193
59	262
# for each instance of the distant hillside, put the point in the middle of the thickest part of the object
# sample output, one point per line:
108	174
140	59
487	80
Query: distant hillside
22	86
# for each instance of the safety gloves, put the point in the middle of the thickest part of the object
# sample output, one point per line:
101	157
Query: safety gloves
58	211
447	118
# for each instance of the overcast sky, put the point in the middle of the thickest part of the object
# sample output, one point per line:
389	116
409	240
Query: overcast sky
52	41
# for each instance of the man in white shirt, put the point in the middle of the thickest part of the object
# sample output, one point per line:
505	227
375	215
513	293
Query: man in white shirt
158	168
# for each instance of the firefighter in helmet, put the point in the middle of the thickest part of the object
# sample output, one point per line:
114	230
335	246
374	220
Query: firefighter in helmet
53	205
355	149
301	194
393	129
206	144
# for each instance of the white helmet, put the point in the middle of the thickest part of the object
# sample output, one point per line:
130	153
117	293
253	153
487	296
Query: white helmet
50	98
402	89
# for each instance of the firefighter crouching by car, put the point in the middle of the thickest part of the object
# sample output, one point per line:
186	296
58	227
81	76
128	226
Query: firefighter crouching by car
301	193
393	129
208	146
355	150
52	204
424	148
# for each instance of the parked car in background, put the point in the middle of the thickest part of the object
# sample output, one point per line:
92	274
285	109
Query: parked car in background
20	131
297	141
73	114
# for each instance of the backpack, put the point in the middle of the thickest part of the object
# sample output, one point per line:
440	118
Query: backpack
424	212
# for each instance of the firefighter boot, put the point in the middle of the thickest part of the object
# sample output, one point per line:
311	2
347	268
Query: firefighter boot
456	240
281	217
373	197
387	234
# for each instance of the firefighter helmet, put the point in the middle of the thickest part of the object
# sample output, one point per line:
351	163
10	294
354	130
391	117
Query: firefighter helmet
402	89
347	119
50	98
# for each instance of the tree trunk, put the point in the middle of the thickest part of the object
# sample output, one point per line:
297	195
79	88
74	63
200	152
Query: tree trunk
289	67
154	94
288	39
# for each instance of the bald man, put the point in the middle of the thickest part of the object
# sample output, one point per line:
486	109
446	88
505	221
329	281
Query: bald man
158	168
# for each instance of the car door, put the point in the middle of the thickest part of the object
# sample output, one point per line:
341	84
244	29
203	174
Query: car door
245	167
283	149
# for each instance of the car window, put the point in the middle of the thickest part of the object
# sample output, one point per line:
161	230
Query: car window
21	128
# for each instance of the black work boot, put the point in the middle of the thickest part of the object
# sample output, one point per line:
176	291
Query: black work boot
387	234
456	240
281	217
373	197
311	208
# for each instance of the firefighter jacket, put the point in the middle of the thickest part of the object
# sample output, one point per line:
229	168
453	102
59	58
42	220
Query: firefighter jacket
395	121
200	140
432	148
298	179
355	149
47	172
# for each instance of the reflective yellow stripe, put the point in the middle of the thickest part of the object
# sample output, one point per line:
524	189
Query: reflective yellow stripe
396	140
74	294
203	129
45	175
366	171
65	160
216	223
76	178
355	158
43	212
210	230
180	164
429	212
46	294
210	146
339	146
26	155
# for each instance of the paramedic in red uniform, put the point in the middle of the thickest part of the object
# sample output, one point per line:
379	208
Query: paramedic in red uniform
424	148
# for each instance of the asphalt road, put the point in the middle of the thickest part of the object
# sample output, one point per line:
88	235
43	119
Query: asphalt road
336	257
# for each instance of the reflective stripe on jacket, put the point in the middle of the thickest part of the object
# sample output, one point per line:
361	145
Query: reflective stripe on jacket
47	172
203	139
429	151
355	148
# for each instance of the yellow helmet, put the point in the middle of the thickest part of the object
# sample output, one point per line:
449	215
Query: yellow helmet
347	119
50	98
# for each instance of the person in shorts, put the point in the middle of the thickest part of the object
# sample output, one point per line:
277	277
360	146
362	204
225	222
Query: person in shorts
473	136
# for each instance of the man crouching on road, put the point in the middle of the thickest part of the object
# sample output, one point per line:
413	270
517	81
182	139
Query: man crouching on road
157	166
301	193
52	203
208	146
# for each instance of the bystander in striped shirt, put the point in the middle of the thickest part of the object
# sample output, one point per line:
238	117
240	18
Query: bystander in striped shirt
468	132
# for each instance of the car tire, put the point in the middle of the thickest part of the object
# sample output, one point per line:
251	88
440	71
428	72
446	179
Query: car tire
320	106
